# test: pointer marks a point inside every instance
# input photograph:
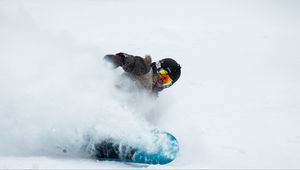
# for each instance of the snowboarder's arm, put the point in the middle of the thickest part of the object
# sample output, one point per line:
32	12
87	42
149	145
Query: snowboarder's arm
132	64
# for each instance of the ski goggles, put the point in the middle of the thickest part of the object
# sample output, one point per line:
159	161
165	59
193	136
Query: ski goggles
165	78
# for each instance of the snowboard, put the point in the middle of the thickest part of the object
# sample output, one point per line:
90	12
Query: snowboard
164	151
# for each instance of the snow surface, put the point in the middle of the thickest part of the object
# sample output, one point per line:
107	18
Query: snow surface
236	105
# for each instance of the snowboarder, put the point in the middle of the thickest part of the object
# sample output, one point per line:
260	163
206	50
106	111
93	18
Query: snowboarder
152	76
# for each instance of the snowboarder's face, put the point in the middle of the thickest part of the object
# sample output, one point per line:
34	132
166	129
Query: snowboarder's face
163	80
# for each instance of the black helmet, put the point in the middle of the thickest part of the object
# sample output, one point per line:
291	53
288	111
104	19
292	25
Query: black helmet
172	67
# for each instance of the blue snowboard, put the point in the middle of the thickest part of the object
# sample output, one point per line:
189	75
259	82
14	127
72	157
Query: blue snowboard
166	148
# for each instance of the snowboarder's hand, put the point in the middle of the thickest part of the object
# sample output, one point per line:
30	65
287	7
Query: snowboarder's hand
116	60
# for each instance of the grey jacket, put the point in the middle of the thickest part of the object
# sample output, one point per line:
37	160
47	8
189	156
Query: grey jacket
138	69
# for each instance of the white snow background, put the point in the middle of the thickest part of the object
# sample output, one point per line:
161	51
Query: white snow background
236	105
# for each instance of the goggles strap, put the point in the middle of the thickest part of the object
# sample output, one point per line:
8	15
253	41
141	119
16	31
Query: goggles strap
158	65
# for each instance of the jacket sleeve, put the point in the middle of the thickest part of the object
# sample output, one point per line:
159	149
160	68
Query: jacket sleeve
134	64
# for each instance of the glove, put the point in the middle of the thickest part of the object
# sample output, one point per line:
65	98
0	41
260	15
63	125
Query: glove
117	60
